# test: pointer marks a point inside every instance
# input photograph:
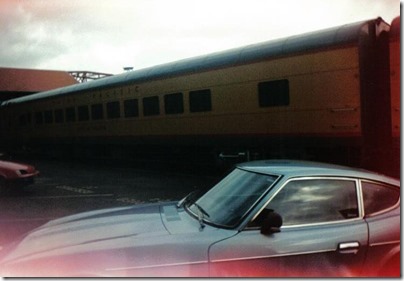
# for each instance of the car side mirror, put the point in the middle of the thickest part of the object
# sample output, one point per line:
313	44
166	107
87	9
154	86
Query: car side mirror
271	223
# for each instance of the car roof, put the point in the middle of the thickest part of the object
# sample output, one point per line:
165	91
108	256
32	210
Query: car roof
294	168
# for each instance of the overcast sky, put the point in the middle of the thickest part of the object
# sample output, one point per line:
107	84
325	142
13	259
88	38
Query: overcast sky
107	35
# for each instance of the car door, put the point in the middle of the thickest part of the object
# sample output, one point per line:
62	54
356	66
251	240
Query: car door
323	234
382	214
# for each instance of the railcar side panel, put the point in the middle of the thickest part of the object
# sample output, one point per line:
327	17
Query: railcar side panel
324	100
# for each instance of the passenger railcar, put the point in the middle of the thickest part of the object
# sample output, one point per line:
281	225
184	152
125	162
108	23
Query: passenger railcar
324	95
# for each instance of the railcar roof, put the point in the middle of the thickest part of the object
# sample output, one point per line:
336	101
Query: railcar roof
335	36
293	168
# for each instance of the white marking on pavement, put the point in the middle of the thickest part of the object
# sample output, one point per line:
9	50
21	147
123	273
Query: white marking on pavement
72	196
74	189
130	200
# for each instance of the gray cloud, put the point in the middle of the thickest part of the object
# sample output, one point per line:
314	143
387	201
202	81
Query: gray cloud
109	34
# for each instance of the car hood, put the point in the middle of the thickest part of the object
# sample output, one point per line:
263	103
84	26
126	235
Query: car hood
91	229
144	240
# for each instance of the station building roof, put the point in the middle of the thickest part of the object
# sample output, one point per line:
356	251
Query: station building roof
16	82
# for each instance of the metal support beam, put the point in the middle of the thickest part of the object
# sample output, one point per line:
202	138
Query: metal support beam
84	76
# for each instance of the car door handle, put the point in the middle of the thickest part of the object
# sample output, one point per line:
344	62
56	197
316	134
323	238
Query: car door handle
348	247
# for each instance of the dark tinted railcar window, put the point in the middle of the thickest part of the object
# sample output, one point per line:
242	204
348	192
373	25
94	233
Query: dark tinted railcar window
316	201
59	117
29	118
70	114
6	123
377	197
174	103
97	112
273	93
24	119
131	108
38	118
21	120
83	113
48	116
151	106
200	101
113	110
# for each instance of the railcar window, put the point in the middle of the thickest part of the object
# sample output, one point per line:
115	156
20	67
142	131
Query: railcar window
22	120
131	108
151	106
59	117
25	119
83	113
29	118
38	118
113	110
200	101
97	112
48	115
273	93
174	103
377	197
70	114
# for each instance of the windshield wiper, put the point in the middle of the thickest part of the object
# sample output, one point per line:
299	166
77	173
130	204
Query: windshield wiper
201	213
190	198
186	199
201	209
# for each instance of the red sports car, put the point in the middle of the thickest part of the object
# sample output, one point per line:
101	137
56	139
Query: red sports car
16	174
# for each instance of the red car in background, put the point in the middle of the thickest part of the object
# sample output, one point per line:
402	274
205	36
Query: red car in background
16	175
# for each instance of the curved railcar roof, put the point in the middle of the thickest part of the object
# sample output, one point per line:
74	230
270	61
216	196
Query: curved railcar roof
344	34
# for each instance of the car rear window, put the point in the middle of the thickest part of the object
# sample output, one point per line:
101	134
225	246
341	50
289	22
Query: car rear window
378	197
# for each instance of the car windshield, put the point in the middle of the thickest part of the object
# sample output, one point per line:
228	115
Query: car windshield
231	199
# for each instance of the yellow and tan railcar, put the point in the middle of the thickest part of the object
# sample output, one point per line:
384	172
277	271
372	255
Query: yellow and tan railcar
304	96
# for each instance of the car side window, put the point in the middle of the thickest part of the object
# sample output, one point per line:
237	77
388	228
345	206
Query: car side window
316	201
377	197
